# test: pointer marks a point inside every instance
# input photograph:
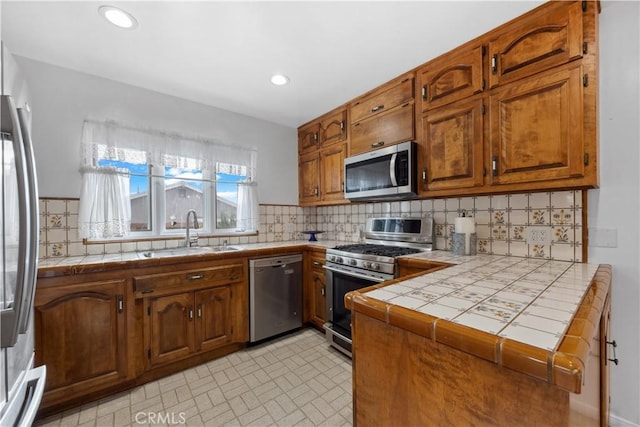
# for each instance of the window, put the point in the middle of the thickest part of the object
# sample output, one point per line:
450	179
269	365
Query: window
153	180
227	178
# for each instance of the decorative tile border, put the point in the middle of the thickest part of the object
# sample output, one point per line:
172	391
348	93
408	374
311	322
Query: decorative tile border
501	224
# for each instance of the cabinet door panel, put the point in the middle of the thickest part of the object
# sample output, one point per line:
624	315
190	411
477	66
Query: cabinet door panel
453	77
334	128
81	335
536	129
213	325
319	314
452	142
172	335
309	138
389	128
536	44
332	172
309	177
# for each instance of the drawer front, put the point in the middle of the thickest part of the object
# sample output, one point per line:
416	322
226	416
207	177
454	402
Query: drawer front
392	127
377	103
189	279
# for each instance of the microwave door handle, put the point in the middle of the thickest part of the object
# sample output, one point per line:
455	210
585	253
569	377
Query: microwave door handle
392	170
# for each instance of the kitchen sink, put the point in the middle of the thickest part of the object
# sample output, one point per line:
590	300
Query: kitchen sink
195	250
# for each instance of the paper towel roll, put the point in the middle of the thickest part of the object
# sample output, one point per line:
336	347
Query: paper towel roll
466	225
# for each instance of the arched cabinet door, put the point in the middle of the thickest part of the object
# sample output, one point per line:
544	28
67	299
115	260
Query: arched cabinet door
81	336
171	321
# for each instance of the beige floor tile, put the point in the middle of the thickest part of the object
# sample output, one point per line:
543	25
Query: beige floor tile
296	380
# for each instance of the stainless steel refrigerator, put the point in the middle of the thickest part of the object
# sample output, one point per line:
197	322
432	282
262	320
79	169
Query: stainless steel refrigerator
21	385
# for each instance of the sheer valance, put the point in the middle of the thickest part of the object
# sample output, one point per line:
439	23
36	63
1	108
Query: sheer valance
116	141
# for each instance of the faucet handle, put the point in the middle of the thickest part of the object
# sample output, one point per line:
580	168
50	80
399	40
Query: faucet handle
225	243
193	241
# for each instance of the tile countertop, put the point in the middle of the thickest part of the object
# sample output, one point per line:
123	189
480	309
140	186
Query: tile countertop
517	312
51	265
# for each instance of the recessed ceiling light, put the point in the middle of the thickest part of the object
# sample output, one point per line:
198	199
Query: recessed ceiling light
279	79
118	17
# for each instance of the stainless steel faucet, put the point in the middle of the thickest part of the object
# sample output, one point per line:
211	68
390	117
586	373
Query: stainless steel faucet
191	241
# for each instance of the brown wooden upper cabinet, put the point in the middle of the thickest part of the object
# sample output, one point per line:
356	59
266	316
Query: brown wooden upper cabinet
451	77
309	137
333	127
548	38
384	116
328	129
452	140
321	175
536	128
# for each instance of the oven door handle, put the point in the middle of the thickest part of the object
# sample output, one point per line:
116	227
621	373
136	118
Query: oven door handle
358	275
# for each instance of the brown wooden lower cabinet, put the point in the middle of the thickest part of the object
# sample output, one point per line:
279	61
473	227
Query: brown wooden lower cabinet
315	304
180	325
81	336
102	332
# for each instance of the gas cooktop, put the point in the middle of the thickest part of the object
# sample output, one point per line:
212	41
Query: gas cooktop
379	250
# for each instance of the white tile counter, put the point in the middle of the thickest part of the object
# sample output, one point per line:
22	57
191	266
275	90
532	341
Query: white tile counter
527	300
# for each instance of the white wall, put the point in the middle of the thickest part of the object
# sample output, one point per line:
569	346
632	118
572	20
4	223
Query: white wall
616	204
61	99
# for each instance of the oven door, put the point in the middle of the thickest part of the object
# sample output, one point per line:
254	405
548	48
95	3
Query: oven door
340	281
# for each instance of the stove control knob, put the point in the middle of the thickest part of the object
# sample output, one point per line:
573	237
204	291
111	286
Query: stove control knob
339	260
353	262
366	264
332	258
375	266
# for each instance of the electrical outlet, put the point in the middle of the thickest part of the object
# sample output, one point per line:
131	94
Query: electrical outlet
537	235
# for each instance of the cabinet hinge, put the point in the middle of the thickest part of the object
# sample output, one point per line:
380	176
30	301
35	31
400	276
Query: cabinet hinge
148	311
149	353
484	171
586	159
585	80
484	84
484	109
585	47
484	50
584	6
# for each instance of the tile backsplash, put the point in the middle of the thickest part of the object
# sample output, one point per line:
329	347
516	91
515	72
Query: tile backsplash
501	224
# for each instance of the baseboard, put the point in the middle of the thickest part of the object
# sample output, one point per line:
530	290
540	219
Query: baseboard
615	421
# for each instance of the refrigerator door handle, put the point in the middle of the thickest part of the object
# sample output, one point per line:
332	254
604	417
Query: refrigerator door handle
10	316
31	260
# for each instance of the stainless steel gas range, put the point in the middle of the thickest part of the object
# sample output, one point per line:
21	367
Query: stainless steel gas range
356	266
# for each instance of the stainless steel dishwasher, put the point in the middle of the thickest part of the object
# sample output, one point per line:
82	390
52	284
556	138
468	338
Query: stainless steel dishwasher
275	295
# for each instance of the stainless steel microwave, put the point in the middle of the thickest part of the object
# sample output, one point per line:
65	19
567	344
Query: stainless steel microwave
384	173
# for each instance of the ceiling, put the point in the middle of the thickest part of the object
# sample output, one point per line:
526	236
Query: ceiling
223	54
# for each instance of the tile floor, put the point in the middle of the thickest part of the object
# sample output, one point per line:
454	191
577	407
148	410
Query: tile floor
296	380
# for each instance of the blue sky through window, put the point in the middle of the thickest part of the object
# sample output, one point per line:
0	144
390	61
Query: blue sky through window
227	186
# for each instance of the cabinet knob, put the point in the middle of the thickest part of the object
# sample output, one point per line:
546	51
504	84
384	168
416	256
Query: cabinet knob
424	92
377	144
494	64
195	276
322	291
377	108
494	166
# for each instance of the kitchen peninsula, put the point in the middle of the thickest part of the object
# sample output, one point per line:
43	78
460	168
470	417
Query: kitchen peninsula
516	340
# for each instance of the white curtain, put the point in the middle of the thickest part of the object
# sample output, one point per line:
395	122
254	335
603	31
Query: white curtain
105	208
248	208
